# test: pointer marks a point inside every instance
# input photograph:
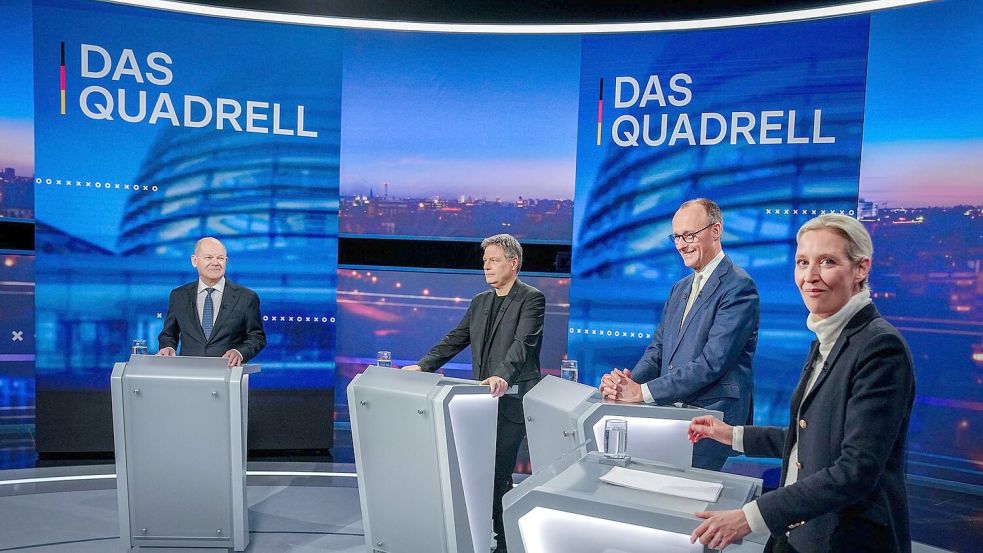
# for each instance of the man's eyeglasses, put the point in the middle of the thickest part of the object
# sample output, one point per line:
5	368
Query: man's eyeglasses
688	237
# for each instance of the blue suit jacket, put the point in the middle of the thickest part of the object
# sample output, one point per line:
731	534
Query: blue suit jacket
707	362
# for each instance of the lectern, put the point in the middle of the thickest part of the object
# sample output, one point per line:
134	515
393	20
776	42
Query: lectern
562	416
425	458
572	506
179	426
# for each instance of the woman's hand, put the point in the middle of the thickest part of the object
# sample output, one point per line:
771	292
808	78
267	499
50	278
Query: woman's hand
720	528
709	426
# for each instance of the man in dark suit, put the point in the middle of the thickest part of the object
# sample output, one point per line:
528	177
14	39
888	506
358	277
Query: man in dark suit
213	317
701	351
504	327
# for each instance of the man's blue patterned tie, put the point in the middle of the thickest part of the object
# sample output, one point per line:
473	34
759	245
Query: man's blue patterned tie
208	314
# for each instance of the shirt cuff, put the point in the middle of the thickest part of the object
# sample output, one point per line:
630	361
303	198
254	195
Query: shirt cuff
737	439
647	394
754	519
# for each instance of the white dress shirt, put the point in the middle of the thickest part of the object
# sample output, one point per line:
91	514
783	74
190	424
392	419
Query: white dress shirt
705	273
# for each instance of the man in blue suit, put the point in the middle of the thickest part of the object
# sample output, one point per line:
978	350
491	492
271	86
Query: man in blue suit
701	351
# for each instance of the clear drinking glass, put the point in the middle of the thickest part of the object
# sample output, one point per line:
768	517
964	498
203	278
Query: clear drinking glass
616	438
568	370
139	347
384	359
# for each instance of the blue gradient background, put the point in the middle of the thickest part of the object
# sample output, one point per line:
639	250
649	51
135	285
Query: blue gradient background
922	144
923	159
450	116
623	264
16	106
107	259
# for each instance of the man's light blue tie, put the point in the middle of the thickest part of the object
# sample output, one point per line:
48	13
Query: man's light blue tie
208	314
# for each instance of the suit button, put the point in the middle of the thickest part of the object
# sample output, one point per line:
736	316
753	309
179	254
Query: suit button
798	465
670	366
802	424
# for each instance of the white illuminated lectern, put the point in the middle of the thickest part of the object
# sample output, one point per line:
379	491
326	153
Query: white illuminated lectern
563	415
179	425
425	457
569	507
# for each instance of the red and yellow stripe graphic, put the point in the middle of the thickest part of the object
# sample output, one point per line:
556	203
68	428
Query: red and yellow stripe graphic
63	78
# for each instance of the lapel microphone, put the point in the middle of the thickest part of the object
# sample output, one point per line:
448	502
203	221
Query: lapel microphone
813	353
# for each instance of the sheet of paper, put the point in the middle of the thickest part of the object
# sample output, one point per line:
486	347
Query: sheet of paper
664	484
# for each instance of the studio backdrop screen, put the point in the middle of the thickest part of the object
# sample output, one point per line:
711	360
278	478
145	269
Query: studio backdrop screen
152	129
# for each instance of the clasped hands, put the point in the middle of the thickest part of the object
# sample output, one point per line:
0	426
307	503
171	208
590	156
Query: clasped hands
618	386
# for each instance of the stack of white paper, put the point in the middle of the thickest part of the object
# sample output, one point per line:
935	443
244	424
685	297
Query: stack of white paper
661	483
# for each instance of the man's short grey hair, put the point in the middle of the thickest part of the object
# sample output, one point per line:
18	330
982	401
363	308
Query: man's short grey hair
201	241
508	243
714	215
859	246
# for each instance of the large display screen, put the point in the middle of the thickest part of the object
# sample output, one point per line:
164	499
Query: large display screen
772	135
921	197
191	143
16	360
16	113
126	134
459	136
408	312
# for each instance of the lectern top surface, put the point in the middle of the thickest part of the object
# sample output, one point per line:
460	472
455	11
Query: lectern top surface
584	479
412	382
160	363
558	395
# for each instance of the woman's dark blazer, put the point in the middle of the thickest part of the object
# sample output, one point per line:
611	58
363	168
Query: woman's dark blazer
851	430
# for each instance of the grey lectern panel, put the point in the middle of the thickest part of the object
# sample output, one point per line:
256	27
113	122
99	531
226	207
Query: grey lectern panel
655	432
180	426
552	409
425	454
563	415
566	507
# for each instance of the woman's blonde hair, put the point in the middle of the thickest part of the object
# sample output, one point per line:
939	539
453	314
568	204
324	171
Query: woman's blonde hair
859	245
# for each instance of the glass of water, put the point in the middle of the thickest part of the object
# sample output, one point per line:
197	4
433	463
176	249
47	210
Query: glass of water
616	438
384	359
139	347
568	370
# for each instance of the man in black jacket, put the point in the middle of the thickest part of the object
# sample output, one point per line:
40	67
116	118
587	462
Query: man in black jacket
504	327
213	317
